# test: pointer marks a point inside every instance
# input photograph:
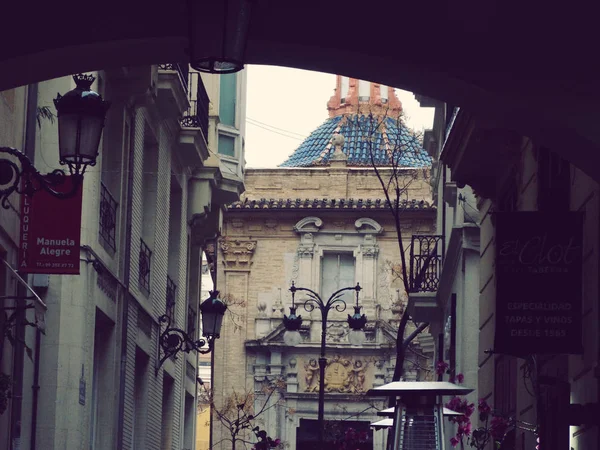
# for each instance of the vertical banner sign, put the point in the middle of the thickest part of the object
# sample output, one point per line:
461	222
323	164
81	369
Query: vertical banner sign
539	283
50	232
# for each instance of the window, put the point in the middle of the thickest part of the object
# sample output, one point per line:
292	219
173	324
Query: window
383	89
345	85
364	90
226	145
227	99
337	272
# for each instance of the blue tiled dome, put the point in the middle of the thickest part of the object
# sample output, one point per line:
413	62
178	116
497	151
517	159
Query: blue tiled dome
388	138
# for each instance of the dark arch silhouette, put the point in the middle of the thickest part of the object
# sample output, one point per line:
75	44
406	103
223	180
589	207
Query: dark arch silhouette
527	68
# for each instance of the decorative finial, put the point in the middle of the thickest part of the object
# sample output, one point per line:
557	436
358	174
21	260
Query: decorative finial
84	81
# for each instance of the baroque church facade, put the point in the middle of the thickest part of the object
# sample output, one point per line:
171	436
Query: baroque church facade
320	221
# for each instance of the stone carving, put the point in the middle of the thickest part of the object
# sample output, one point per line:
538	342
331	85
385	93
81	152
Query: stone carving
271	224
295	268
336	331
308	224
306	251
277	308
369	251
262	306
311	376
237	254
293	363
341	375
366	224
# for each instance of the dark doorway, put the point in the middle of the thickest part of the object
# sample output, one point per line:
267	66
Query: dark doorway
307	434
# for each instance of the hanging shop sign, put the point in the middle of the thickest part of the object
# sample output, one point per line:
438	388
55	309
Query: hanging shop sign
539	283
50	233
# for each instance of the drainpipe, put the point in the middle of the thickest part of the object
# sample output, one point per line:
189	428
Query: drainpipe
31	118
125	299
19	350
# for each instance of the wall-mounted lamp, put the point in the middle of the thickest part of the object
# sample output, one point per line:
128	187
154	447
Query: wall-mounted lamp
81	113
174	340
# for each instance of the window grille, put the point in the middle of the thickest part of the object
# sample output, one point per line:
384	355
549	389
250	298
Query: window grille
108	219
171	298
191	322
425	262
144	266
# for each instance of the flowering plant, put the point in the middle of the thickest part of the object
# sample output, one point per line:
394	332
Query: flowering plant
351	439
495	426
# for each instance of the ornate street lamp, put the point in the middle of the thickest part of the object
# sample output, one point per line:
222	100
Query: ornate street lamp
224	55
81	114
292	336
174	340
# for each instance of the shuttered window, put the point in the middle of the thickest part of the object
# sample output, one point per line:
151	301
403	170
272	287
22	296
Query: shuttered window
227	99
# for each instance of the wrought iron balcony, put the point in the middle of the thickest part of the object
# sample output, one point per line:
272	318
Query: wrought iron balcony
144	266
426	255
197	114
171	299
108	219
181	69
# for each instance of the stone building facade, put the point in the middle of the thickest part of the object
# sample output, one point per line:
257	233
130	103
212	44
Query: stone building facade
324	227
156	194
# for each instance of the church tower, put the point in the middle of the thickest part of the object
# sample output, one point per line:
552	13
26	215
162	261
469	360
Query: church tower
354	96
365	119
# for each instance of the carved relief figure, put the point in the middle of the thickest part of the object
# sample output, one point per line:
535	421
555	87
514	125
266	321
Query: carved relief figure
356	380
312	376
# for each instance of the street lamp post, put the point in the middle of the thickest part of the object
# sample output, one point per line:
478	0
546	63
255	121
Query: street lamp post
293	322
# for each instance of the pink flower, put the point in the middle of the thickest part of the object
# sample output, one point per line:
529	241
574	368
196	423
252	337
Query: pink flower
484	410
454	441
468	428
460	378
441	367
498	427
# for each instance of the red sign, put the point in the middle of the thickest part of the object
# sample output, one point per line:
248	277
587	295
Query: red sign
50	232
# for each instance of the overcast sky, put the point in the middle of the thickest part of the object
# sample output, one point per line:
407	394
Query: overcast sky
285	105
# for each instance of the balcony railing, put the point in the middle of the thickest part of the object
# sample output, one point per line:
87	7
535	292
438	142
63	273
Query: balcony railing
197	114
171	297
181	69
426	254
108	219
144	266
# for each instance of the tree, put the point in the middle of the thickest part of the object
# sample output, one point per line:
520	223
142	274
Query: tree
238	416
385	127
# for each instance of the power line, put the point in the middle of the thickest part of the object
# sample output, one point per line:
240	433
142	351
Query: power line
276	132
274	127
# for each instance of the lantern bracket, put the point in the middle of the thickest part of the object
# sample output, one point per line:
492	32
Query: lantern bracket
174	340
24	178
